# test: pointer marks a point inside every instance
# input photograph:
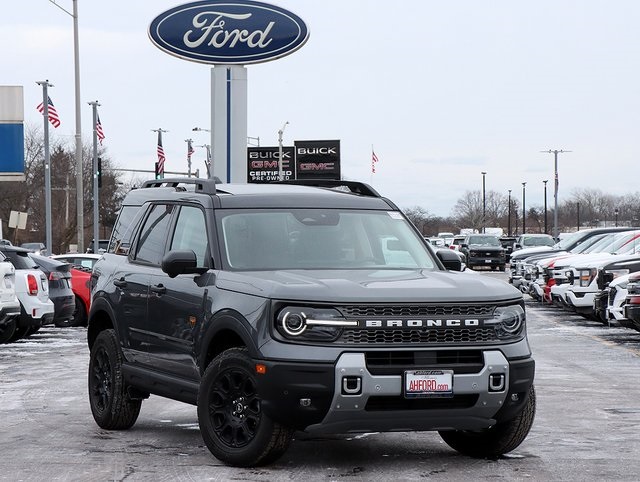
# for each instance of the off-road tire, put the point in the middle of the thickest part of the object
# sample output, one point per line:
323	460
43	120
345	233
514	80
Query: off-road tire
232	423
497	440
111	406
7	330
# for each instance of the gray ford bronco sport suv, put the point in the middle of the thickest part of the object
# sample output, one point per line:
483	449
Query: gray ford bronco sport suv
312	306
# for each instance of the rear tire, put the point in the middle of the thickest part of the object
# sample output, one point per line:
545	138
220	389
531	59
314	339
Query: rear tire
232	423
111	406
7	330
497	440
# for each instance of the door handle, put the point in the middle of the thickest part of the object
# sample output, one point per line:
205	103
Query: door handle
120	283
159	289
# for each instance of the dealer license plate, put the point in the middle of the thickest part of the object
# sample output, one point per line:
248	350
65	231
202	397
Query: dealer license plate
487	261
428	383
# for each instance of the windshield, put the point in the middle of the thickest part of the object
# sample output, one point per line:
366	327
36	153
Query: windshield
321	239
565	243
538	241
594	242
484	240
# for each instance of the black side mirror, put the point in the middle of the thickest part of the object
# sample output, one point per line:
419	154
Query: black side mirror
181	262
450	259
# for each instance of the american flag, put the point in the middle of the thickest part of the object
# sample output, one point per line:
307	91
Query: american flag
190	150
374	159
99	131
161	157
53	114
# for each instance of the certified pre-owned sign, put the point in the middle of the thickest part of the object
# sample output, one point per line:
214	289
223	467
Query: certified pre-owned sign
228	32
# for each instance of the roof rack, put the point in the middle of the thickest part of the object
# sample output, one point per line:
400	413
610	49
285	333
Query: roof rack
205	186
354	187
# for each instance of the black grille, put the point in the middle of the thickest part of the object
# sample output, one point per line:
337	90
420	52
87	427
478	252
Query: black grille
396	362
376	404
380	336
415	310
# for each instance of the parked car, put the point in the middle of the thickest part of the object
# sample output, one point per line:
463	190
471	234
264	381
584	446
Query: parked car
37	248
82	264
507	243
447	237
103	244
533	240
483	250
632	302
60	292
9	304
32	290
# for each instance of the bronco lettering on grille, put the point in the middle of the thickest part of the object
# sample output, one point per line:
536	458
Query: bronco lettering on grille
446	323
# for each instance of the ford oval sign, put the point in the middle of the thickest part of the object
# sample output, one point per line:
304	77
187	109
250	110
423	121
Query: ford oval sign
228	32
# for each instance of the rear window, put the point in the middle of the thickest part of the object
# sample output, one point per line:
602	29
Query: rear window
20	260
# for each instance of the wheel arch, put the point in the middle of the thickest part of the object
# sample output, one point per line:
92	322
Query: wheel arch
226	329
100	318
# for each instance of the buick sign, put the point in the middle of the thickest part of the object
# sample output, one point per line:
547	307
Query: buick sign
228	32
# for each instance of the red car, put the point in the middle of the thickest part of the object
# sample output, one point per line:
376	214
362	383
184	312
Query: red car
82	264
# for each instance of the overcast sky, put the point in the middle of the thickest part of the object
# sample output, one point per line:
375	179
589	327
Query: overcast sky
442	90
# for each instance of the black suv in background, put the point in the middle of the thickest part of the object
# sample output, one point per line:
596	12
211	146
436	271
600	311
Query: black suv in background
484	250
317	307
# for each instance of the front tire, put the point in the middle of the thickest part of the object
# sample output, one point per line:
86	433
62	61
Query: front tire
111	406
232	423
497	440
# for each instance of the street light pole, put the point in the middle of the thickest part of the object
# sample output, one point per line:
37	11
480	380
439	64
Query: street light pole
546	231
484	204
509	215
615	211
524	210
555	153
78	155
280	132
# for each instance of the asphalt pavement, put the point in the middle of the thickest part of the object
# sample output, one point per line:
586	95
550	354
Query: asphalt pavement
587	424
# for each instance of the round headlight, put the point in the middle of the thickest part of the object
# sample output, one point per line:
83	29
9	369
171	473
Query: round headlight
294	323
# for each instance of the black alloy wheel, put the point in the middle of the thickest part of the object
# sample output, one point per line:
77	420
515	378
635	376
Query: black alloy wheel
232	423
111	405
7	330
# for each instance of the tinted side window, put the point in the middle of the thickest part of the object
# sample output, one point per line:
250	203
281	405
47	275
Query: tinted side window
123	230
191	233
153	235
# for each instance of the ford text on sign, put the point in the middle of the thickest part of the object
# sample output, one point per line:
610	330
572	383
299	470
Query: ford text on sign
228	32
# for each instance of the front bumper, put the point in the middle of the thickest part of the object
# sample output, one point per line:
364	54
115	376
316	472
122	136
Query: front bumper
312	397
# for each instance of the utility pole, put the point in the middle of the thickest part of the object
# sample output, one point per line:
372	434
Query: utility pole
189	153
47	165
546	231
555	153
524	209
280	132
509	216
96	210
484	204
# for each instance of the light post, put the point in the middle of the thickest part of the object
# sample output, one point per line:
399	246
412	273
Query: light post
509	215
546	231
615	211
198	129
524	209
484	204
578	214
555	188
280	132
78	155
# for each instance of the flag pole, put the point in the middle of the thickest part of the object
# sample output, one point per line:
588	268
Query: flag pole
47	165
96	218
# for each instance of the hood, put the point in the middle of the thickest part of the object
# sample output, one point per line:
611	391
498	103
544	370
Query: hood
369	286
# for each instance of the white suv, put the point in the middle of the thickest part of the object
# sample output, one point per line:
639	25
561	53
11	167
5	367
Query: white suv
9	304
32	289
